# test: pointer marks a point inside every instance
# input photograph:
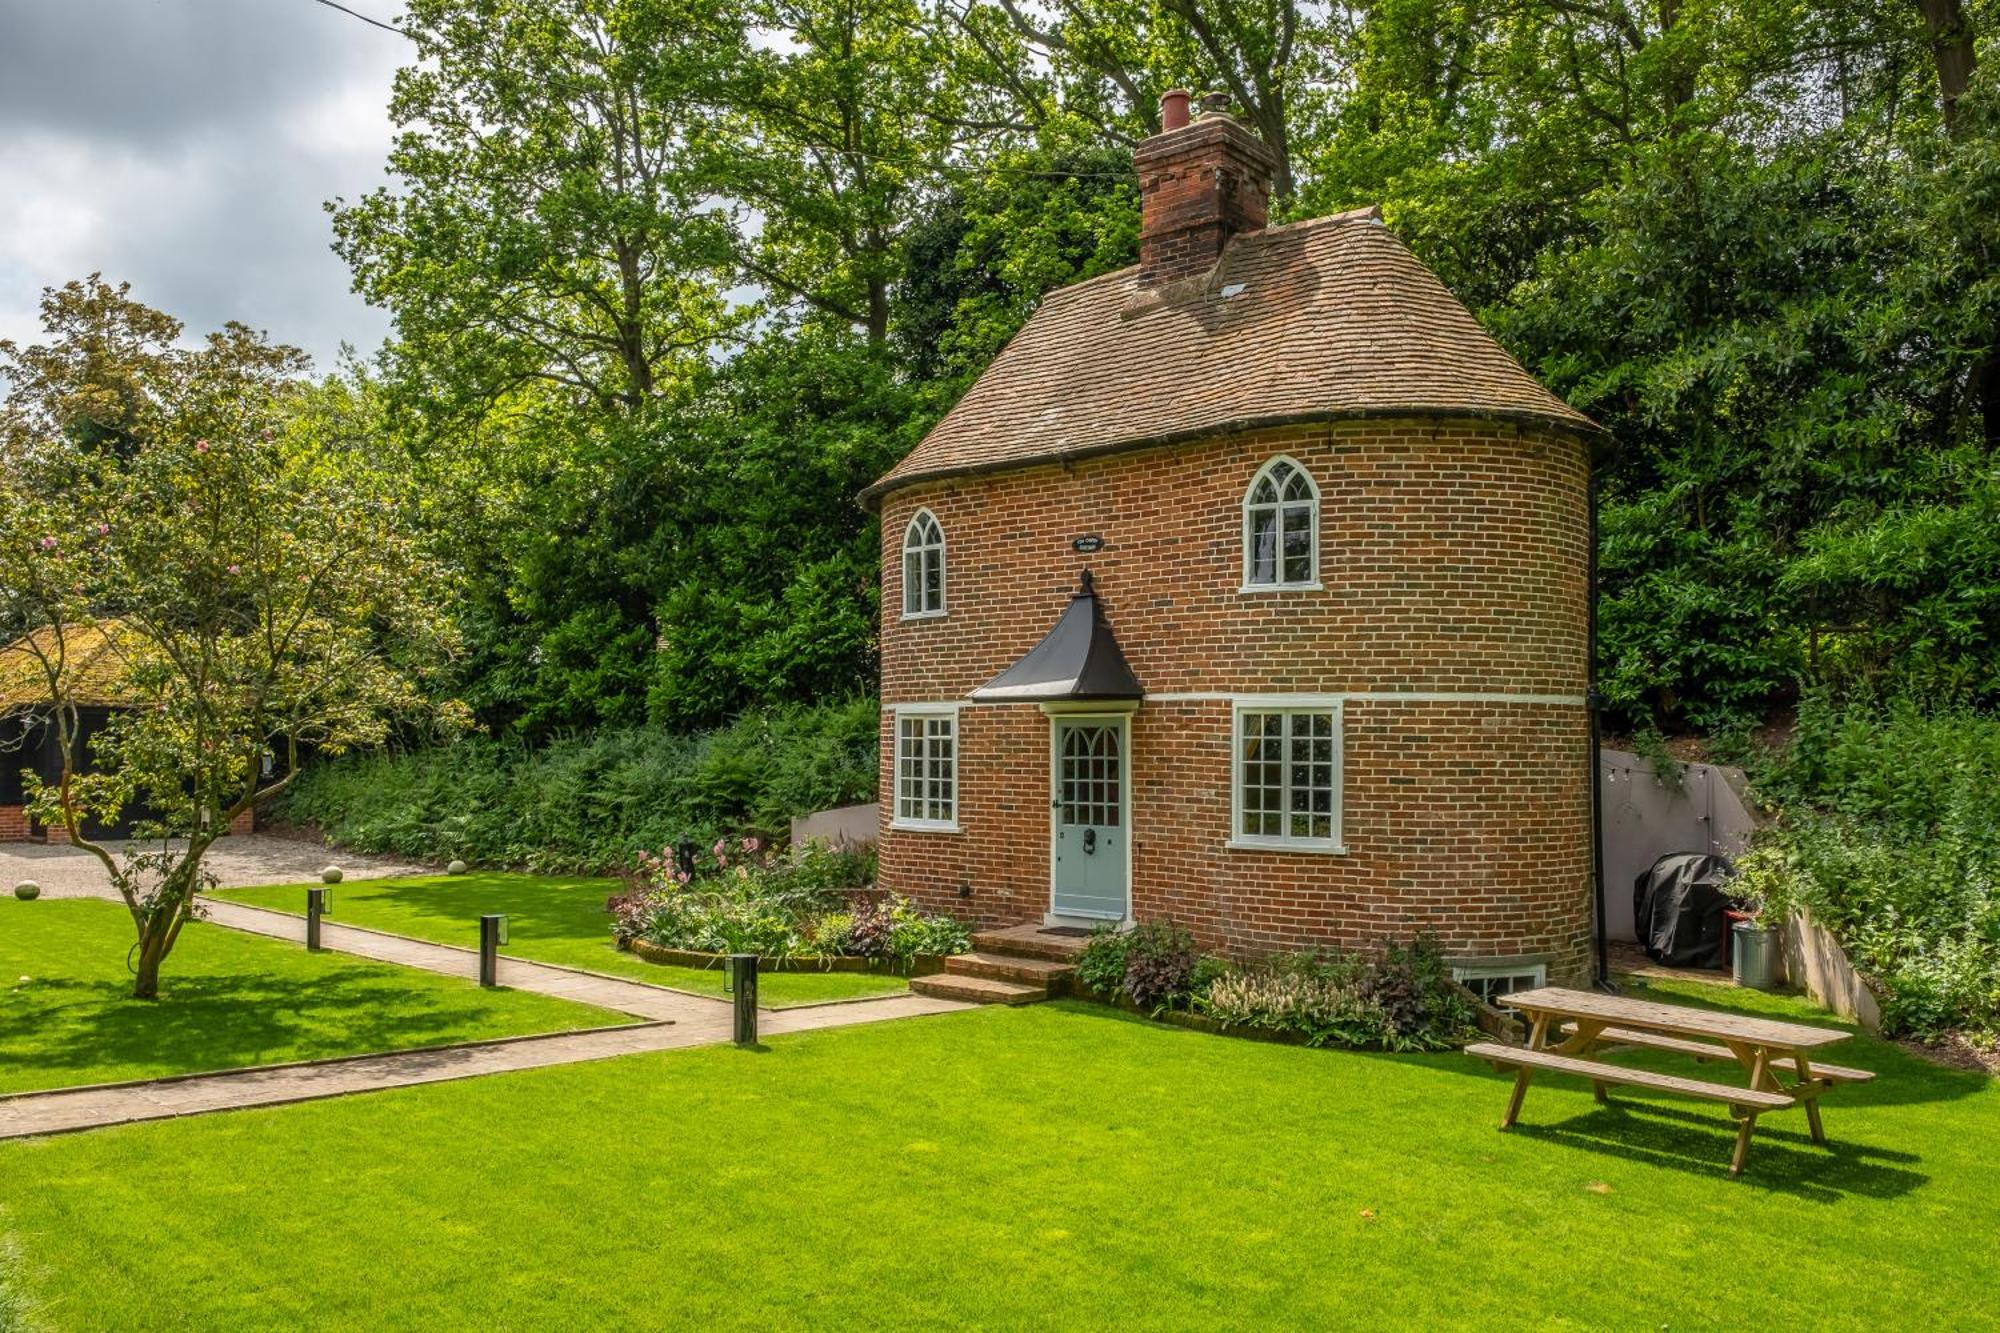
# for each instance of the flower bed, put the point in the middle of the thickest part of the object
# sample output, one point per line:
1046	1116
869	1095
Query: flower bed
1401	997
920	965
816	910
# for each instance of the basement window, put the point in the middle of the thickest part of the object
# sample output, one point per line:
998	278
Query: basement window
1491	983
927	770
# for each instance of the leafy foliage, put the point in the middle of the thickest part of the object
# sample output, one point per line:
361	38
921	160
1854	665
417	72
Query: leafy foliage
1160	959
591	802
1401	998
1892	841
1101	965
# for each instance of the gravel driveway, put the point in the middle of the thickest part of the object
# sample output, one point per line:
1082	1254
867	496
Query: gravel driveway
65	872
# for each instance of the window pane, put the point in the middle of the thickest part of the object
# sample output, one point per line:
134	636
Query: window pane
1263	546
1298	544
934	580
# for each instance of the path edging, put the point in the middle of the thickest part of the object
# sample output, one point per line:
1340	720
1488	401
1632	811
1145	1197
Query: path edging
330	1061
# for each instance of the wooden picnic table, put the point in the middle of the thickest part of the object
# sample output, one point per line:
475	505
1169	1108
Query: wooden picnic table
1587	1020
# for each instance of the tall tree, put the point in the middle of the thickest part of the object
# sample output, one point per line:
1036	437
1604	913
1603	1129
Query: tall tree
546	224
243	559
829	128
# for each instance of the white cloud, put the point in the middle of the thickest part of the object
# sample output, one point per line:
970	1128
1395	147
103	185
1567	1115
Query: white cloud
186	146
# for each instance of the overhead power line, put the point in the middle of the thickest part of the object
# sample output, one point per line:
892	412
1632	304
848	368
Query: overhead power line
356	14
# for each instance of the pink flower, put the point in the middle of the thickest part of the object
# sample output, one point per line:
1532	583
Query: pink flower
104	529
48	543
683	877
236	569
267	432
201	446
752	845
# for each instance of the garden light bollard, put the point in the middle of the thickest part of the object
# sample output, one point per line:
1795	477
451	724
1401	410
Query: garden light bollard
319	902
743	989
492	934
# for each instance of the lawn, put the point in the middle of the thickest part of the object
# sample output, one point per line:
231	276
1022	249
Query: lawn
67	1015
1061	1165
550	919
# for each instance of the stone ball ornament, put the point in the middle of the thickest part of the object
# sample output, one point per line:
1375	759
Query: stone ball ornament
331	875
27	890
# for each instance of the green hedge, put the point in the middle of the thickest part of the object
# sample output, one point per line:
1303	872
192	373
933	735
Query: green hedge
587	803
1891	839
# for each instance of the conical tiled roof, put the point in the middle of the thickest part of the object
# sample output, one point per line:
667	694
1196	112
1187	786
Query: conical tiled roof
1318	320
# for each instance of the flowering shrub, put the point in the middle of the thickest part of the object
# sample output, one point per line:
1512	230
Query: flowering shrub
1155	965
739	896
896	929
1400	999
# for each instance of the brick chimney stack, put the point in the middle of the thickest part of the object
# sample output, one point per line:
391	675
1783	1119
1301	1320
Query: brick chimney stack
1201	181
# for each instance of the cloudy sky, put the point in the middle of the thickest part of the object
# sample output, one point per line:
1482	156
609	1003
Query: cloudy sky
186	146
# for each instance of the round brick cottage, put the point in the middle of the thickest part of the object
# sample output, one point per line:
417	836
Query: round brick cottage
1248	588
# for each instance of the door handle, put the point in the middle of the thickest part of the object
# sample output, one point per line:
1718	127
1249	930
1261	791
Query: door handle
1090	840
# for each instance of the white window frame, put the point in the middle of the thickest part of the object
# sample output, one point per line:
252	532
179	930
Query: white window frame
926	714
923	551
1312	581
1538	972
1333	705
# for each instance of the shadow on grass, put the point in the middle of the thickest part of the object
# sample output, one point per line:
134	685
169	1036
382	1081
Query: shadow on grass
1781	1160
95	1028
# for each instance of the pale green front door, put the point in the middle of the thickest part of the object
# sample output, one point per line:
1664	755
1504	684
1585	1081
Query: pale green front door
1090	819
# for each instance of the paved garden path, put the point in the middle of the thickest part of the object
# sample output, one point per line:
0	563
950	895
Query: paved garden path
626	997
237	861
670	1019
64	1110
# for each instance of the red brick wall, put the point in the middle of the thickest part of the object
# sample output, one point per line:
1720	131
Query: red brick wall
1198	187
13	823
1452	559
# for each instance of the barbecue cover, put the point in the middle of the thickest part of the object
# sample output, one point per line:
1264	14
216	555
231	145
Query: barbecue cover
1678	909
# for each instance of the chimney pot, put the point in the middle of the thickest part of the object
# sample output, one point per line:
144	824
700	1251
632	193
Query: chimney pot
1214	104
1174	109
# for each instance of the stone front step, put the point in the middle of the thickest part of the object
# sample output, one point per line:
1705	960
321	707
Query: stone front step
1050	975
977	990
1031	942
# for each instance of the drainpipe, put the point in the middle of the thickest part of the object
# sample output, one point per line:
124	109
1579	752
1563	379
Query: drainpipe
1594	702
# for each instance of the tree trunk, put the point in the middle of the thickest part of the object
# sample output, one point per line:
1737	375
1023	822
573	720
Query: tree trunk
1955	58
1952	52
153	946
161	928
878	311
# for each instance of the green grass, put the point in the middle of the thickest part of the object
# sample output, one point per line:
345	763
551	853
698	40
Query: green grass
550	919
67	1015
1059	1165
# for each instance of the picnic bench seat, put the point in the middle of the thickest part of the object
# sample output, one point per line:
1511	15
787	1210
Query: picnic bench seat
1744	1103
1520	1057
1703	1050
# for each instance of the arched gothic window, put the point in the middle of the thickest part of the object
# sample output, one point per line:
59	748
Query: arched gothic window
1281	528
923	566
